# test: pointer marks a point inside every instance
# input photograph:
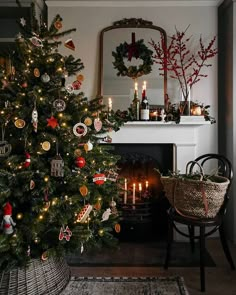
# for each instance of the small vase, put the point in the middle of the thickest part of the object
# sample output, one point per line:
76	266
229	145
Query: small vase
184	108
185	104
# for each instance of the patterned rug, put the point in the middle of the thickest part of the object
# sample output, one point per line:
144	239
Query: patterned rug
126	286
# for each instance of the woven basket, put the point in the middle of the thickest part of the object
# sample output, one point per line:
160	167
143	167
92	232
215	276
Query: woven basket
40	277
196	198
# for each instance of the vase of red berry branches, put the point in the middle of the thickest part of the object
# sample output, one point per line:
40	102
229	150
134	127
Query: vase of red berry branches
182	63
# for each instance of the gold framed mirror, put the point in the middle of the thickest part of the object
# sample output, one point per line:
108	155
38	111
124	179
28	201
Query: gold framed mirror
120	88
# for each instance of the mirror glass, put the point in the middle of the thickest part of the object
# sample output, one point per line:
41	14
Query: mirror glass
121	88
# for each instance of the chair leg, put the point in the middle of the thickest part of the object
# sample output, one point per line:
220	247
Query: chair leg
191	237
202	257
169	242
226	247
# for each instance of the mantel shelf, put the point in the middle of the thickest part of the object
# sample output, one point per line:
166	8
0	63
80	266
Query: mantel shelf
171	123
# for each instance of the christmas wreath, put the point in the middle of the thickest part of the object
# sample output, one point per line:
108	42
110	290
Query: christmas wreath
127	51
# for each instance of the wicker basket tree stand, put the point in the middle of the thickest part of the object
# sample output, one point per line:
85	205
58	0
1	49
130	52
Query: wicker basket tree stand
40	277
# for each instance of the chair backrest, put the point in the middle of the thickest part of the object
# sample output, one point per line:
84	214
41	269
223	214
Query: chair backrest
224	169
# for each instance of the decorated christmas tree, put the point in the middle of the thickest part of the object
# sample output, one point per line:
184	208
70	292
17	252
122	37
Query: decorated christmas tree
58	182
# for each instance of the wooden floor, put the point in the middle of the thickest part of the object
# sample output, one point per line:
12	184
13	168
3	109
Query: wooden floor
220	280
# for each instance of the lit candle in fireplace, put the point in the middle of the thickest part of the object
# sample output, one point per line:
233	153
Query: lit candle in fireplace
125	194
134	185
146	184
140	187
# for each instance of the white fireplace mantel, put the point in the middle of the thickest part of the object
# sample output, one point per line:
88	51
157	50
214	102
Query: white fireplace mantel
183	136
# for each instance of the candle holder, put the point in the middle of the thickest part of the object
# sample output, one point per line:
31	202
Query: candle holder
153	115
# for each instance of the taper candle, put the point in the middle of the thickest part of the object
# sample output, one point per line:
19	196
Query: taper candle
140	187
134	185
109	105
125	194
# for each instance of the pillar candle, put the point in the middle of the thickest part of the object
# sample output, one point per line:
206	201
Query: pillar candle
146	183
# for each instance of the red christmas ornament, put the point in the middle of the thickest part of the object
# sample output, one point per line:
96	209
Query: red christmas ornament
52	122
99	178
27	160
80	162
76	85
24	85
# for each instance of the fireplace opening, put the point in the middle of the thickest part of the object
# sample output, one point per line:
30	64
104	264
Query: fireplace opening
143	204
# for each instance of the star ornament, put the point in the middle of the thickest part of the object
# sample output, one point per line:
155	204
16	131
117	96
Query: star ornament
22	21
52	122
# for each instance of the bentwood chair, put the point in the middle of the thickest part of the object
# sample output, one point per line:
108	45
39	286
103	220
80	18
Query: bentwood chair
206	226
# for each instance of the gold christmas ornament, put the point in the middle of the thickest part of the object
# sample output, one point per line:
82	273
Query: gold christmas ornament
83	190
78	152
88	146
80	78
88	121
101	232
46	145
117	228
19	123
36	72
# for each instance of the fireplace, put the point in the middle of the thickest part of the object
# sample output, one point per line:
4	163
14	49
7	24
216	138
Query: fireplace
142	204
176	144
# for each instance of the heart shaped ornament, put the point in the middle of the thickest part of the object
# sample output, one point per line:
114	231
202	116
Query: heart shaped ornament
97	124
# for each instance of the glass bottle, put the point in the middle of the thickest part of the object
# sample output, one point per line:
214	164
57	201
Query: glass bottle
136	106
144	108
